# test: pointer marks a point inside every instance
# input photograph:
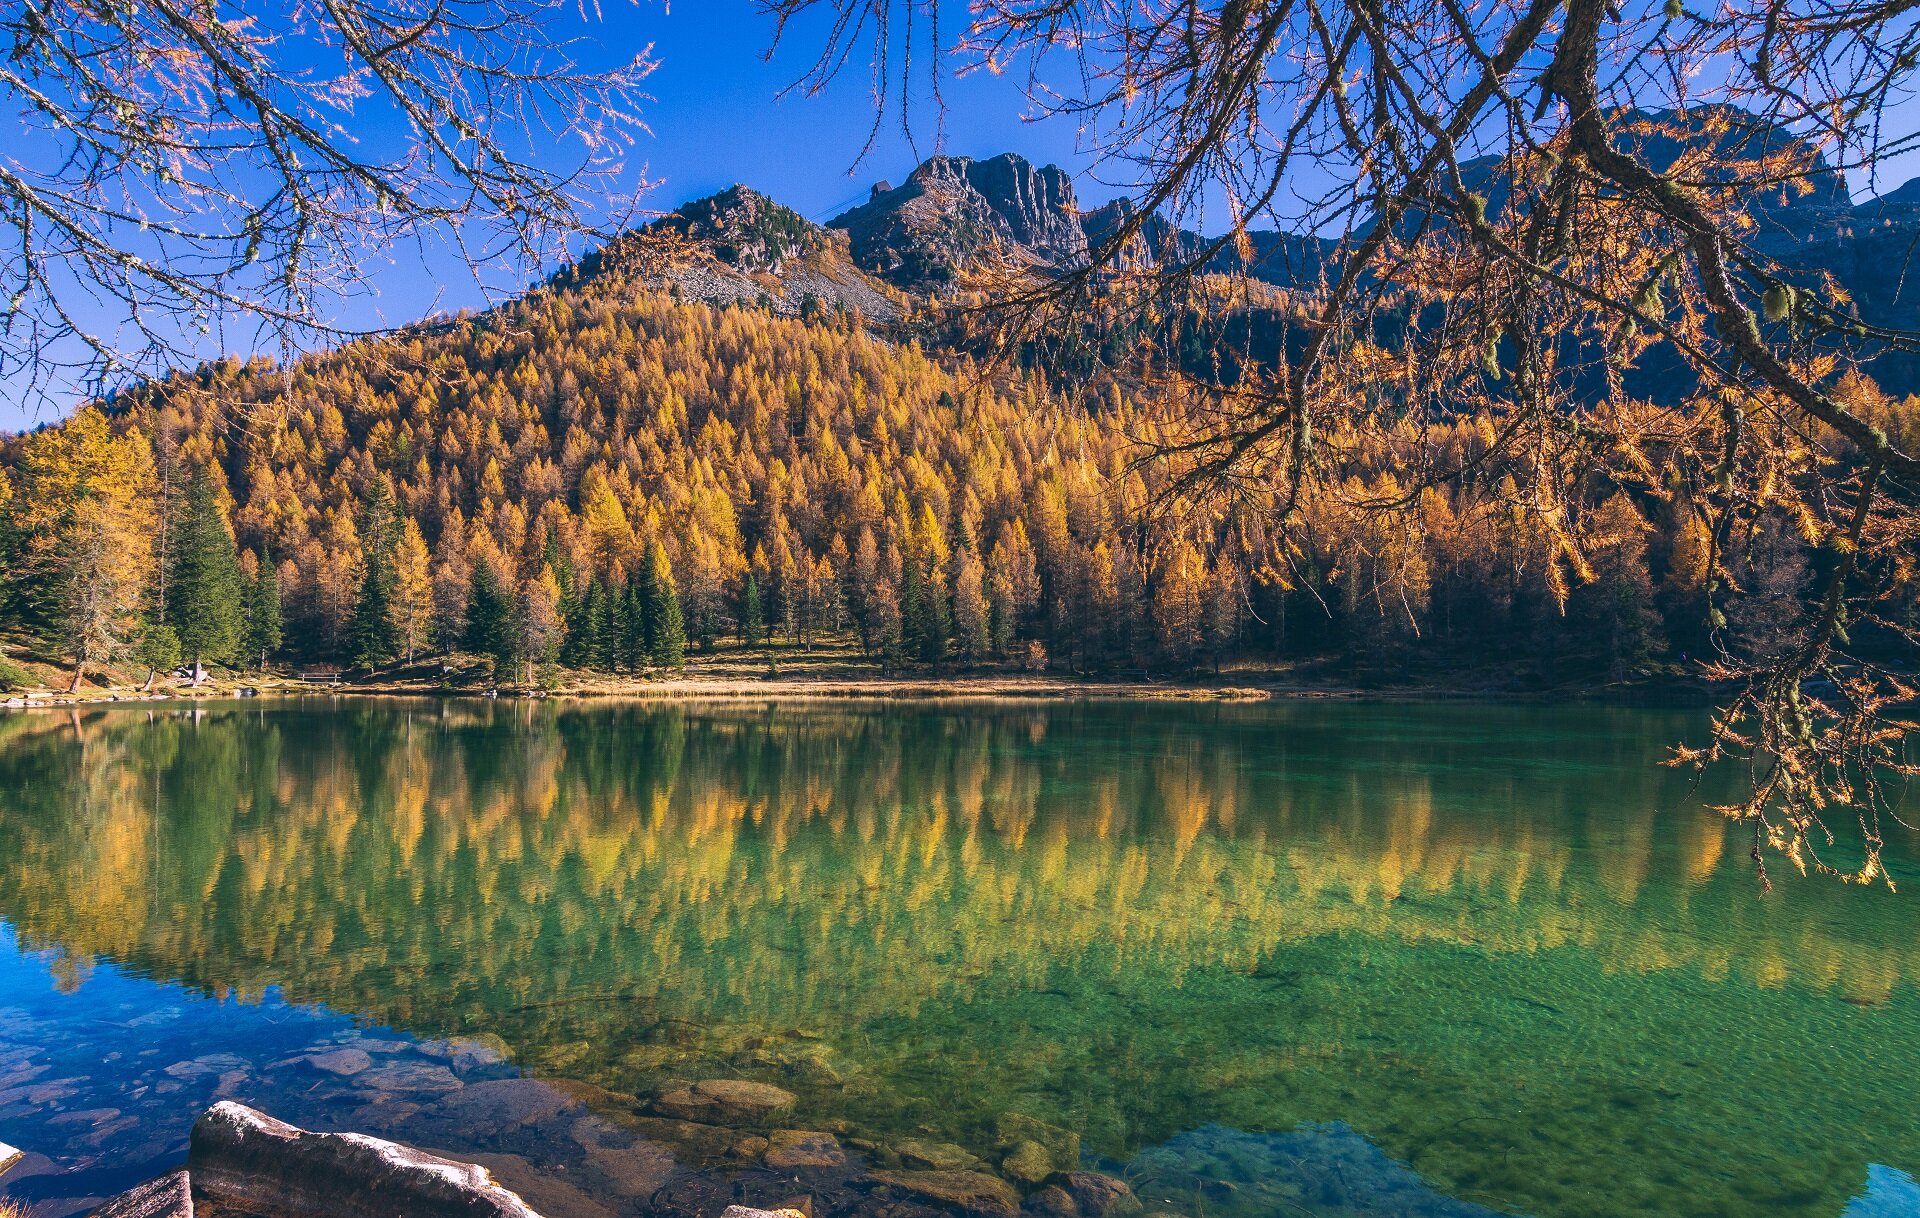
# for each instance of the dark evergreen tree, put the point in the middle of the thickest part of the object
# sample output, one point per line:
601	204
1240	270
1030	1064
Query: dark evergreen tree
645	589
264	626
490	629
753	615
204	598
577	650
665	626
159	648
620	651
634	624
923	615
602	631
373	639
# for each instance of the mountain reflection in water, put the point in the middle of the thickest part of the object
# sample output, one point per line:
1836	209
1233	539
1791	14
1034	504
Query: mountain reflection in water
1501	945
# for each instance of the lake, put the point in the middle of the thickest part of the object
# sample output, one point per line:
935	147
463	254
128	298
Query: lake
1315	957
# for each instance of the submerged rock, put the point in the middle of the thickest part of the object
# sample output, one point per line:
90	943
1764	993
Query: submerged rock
633	1168
410	1076
501	1106
744	1211
248	1161
344	1062
934	1156
1097	1195
703	1143
212	1063
723	1100
973	1191
167	1197
552	1195
1053	1202
749	1148
1063	1145
1028	1163
481	1049
791	1148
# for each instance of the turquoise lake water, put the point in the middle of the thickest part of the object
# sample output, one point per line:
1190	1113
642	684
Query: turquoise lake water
1332	958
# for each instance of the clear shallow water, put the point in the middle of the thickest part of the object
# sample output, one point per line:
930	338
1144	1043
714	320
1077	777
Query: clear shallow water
1321	957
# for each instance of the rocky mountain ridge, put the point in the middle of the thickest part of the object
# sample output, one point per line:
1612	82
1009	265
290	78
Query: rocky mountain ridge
956	213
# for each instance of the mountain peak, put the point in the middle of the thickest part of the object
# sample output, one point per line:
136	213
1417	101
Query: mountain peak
744	228
954	212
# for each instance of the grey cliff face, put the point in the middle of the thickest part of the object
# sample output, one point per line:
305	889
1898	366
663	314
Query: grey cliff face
955	212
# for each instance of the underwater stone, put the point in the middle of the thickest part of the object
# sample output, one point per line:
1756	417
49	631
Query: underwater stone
253	1163
749	1148
410	1076
743	1211
167	1197
1062	1144
791	1148
501	1106
212	1063
633	1168
1027	1163
552	1195
934	1156
973	1191
1053	1202
1097	1196
696	1140
344	1062
723	1099
482	1049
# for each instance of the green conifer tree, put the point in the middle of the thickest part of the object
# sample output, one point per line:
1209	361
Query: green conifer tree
634	622
489	629
265	629
606	640
645	585
204	605
372	638
159	648
753	615
668	629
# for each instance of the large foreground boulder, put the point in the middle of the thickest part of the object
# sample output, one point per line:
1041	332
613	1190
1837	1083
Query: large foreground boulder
250	1162
167	1197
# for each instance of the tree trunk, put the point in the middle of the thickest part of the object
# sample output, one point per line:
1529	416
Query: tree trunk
79	667
151	674
199	672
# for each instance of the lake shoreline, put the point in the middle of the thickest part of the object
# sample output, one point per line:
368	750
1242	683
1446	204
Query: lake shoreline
1239	687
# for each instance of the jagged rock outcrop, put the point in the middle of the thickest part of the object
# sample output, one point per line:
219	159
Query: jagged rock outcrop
740	247
743	228
954	213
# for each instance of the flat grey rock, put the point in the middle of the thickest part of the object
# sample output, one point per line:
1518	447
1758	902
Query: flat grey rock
344	1062
410	1076
250	1162
168	1197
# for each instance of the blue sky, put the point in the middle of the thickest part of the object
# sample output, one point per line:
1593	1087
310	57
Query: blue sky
717	118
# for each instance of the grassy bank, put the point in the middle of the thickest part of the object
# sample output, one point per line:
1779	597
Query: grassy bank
831	669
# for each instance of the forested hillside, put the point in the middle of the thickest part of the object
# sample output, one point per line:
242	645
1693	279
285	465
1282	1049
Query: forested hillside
605	475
